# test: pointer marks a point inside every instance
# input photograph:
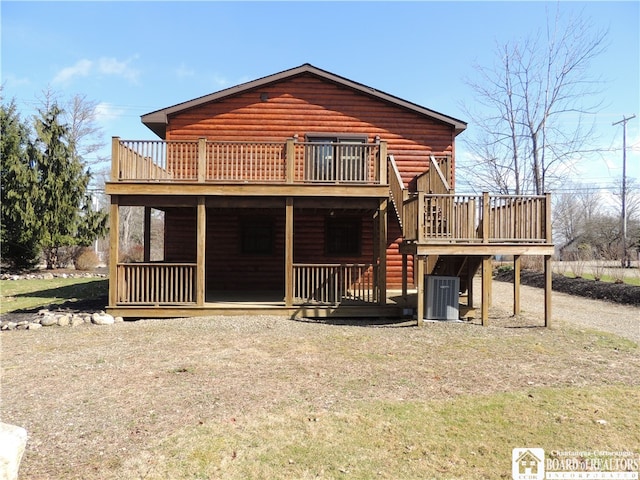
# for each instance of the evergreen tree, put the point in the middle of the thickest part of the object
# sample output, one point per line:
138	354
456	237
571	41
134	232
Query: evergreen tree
64	208
19	224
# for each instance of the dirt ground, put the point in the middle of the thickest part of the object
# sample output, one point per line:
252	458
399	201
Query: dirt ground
97	401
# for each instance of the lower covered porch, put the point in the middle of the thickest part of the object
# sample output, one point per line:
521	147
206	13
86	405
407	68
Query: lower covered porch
297	257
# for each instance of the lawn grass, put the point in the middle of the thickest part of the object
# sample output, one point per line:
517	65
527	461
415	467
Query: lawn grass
628	279
260	397
463	437
35	293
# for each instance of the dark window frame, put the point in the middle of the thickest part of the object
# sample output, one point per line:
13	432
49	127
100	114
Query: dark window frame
343	236
257	236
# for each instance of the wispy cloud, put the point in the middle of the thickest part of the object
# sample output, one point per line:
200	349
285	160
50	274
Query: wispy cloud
106	112
113	66
80	69
102	66
12	81
185	72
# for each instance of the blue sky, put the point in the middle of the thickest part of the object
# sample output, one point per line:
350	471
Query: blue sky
136	57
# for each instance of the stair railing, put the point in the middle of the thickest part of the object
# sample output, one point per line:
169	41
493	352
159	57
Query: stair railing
399	193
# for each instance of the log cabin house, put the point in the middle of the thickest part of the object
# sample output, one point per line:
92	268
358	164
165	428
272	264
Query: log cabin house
311	195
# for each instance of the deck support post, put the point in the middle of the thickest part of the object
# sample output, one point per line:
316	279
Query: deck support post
147	234
486	289
470	274
420	293
114	253
548	281
405	276
288	253
290	160
382	163
202	159
382	252
516	284
201	241
115	159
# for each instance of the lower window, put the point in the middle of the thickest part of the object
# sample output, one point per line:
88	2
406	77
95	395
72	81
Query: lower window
256	236
342	236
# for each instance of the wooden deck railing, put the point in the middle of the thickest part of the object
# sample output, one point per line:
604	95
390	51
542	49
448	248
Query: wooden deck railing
477	218
334	283
156	283
336	162
213	161
438	178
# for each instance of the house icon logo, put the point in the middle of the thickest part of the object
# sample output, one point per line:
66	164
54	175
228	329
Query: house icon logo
527	464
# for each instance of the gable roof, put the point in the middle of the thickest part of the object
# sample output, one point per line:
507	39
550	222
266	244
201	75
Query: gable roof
157	120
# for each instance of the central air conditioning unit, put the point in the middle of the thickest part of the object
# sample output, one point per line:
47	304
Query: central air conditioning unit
441	297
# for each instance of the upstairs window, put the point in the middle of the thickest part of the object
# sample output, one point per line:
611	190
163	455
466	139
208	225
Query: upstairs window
336	158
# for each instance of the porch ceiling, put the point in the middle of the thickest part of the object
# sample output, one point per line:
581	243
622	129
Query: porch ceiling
160	202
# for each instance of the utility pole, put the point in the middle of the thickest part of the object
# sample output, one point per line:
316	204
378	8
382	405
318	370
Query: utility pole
625	259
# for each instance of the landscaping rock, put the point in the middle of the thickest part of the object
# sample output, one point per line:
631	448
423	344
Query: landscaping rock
13	441
76	320
102	319
48	320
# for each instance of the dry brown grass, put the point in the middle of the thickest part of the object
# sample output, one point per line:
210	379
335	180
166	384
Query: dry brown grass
130	400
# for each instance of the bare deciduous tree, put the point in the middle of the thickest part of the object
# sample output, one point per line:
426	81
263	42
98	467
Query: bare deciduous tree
532	108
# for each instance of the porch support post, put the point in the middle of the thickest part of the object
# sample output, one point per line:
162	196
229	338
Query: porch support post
114	238
382	252
548	280
288	253
201	241
420	294
147	234
516	284
486	289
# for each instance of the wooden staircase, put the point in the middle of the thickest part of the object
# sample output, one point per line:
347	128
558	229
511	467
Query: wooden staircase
449	234
435	180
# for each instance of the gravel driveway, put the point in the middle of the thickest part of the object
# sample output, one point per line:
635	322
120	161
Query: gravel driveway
621	320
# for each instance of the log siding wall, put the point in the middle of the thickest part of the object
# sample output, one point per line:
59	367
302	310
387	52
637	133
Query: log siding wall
306	104
255	271
295	107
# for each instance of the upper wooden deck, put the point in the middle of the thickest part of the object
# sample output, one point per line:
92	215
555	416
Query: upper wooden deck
267	168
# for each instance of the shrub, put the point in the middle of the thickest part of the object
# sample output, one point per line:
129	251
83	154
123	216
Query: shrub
133	254
504	268
86	259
